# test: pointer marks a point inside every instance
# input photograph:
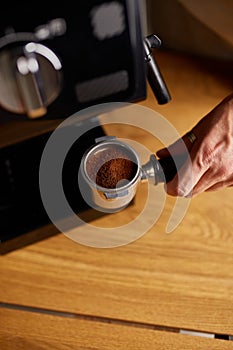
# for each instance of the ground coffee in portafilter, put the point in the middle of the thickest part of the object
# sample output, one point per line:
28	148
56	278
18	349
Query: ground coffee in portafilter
109	167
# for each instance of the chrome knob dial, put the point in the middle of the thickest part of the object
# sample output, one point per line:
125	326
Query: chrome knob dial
30	76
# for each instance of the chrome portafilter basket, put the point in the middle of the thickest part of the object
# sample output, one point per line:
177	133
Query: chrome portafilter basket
110	172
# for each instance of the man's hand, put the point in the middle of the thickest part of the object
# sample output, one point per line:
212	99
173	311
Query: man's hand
211	166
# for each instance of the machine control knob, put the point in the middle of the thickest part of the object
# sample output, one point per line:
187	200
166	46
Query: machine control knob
30	77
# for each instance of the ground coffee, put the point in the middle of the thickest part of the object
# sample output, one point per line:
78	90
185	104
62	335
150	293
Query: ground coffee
109	167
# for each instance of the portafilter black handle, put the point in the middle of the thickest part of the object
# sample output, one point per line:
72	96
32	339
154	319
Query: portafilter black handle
162	170
154	75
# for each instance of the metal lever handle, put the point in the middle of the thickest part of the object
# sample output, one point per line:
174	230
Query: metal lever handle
154	75
34	86
29	83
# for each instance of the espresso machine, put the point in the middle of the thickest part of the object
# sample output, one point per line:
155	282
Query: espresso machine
55	61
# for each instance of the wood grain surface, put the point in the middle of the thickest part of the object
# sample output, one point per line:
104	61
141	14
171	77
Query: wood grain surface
183	279
56	332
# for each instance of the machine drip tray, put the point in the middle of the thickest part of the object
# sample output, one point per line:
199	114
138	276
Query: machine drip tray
22	215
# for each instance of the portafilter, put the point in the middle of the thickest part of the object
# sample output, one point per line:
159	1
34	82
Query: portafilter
111	170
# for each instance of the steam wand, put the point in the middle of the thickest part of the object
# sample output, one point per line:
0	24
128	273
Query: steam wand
154	75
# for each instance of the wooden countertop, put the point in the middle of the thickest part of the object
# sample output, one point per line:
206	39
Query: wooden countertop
59	294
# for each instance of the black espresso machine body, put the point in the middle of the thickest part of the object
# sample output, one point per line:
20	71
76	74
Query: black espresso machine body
54	61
